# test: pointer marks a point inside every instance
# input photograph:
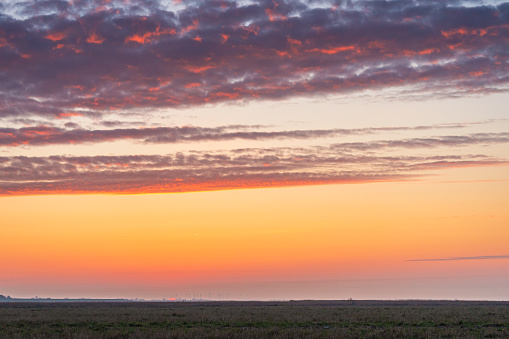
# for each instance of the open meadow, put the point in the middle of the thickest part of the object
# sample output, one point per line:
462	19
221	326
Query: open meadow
294	319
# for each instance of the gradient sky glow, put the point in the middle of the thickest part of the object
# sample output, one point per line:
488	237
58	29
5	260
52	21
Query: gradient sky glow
254	149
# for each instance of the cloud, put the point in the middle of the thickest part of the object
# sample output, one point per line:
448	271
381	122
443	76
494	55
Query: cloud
482	257
432	142
47	135
103	57
205	171
62	62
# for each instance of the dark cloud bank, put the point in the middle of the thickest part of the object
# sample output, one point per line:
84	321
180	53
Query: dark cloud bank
60	59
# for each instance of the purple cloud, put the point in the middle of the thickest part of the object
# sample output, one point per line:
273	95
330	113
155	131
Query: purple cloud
97	57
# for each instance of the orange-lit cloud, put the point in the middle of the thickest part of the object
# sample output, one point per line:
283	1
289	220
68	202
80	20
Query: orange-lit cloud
69	114
333	50
150	36
57	36
198	69
190	27
95	39
274	15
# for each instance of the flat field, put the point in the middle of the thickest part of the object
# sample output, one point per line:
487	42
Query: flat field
293	319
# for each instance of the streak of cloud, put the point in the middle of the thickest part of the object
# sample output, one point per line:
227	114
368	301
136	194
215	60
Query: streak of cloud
481	257
431	142
46	135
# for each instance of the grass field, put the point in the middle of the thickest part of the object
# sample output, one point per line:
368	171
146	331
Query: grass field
294	319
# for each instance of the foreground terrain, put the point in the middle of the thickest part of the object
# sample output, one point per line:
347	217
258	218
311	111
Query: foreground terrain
294	319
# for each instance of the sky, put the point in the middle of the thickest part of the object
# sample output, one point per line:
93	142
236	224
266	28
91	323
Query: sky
267	150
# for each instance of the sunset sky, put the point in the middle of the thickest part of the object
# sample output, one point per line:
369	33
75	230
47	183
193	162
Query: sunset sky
230	149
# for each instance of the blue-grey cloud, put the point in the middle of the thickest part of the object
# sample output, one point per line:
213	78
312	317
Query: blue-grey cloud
481	257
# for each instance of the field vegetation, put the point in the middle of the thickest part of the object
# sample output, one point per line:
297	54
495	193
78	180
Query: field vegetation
294	319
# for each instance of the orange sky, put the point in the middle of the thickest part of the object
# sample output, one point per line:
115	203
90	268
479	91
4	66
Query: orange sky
232	240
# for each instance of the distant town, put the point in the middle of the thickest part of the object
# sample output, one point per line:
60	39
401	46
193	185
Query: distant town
4	298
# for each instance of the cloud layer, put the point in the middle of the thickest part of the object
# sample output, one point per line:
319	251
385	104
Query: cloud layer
240	168
61	59
64	61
